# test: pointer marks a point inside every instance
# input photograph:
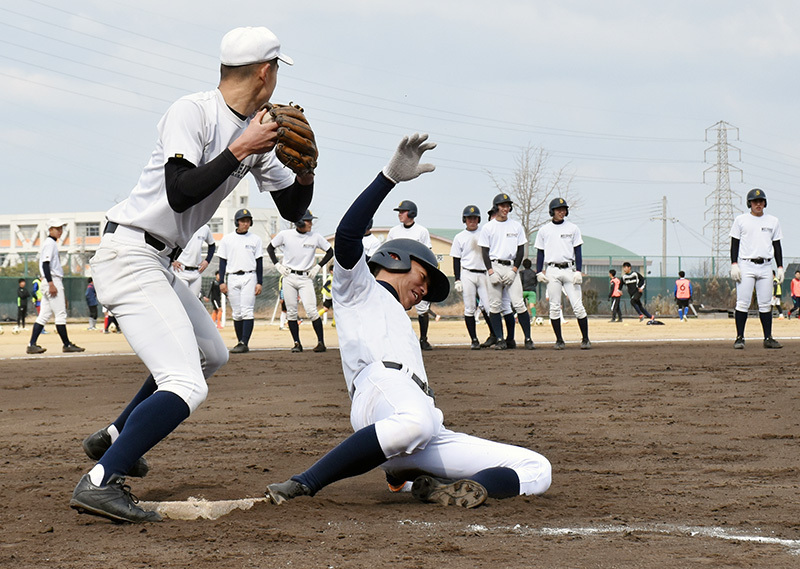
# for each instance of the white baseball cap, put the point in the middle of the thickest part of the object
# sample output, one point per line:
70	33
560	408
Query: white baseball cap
243	46
55	222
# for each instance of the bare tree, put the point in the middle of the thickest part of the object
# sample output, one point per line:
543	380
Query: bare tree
533	185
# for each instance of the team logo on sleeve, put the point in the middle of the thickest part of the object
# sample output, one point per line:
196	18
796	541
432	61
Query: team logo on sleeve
241	171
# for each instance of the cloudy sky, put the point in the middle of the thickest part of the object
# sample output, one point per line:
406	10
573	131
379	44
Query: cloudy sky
621	93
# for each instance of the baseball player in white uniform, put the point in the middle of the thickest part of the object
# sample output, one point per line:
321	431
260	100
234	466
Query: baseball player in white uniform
189	266
241	269
53	300
396	423
370	242
470	271
206	144
408	228
755	244
502	243
558	265
299	270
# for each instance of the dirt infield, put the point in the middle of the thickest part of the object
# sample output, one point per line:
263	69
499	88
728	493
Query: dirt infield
679	453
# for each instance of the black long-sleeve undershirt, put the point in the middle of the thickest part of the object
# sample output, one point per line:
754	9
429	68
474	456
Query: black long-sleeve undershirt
351	229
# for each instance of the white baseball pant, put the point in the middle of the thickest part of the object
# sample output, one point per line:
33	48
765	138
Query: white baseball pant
497	286
758	277
474	288
302	285
558	280
242	295
411	434
165	324
192	279
53	304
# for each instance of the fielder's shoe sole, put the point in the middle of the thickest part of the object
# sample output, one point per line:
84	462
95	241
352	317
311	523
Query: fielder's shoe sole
464	493
113	501
283	491
96	445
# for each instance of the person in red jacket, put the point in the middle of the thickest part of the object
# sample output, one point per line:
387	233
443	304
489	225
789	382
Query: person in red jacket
795	292
683	295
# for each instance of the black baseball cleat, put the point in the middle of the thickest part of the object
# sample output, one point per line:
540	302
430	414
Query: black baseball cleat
320	347
501	345
511	345
96	445
529	344
297	348
739	343
113	501
475	345
240	348
72	348
279	493
586	344
560	345
35	349
772	344
489	342
464	493
425	345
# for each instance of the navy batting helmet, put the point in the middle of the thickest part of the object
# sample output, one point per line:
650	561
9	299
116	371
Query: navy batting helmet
241	214
409	206
557	203
307	216
470	211
756	194
396	256
502	198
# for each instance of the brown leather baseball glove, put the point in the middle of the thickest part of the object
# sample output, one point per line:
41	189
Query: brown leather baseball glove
296	146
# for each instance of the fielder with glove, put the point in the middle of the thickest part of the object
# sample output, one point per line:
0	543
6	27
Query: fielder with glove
558	247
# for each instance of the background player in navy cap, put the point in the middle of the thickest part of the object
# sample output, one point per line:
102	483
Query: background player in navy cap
207	142
241	270
396	422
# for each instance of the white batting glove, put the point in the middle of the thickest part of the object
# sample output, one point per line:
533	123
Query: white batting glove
314	271
458	286
779	274
405	165
542	278
283	269
736	273
577	278
495	278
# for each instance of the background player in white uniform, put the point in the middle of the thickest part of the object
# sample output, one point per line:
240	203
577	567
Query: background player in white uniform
299	271
241	270
408	228
755	243
469	270
370	242
206	143
53	301
189	266
502	243
396	423
558	264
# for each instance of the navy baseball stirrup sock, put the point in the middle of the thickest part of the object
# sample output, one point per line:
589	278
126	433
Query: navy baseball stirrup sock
509	320
146	390
294	328
741	320
424	319
317	324
496	320
524	320
766	323
238	328
500	482
37	330
583	324
149	423
62	332
357	454
471	329
556	324
247	330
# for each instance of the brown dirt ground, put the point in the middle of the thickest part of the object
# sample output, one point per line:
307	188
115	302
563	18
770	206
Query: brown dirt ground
653	445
